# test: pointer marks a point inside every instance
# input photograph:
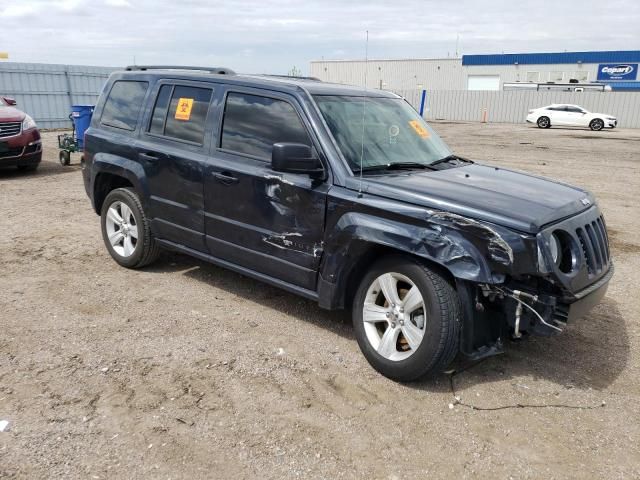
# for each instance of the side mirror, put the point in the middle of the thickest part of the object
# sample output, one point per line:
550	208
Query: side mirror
10	101
295	158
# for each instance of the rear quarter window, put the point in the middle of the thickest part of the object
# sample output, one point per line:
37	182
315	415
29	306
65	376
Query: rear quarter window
122	107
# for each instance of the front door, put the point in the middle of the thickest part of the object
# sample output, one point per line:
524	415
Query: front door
173	151
269	222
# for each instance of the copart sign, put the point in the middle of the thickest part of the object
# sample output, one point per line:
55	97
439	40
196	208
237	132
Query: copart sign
617	71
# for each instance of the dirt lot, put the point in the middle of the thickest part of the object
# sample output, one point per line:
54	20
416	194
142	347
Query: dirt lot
185	370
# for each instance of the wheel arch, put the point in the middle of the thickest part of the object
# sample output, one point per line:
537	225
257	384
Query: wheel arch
110	172
360	240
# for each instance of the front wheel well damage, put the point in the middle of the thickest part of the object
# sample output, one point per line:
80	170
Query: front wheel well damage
105	183
371	253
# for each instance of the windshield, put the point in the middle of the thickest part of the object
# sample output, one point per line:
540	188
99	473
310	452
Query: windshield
394	133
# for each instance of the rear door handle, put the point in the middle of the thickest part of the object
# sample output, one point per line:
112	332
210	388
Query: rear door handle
149	157
225	177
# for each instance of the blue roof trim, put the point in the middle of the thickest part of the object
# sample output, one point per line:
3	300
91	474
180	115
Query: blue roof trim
624	85
620	56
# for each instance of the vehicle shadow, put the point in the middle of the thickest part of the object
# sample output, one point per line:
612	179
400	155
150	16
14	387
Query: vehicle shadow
591	353
338	322
46	169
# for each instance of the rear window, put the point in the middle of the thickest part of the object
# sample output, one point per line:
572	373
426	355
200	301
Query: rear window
252	124
180	113
123	104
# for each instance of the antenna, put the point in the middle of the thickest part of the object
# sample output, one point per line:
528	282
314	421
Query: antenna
457	43
364	109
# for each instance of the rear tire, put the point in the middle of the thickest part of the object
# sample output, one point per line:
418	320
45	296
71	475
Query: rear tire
432	327
596	125
544	122
126	231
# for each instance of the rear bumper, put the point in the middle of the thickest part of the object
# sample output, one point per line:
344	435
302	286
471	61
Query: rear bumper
21	150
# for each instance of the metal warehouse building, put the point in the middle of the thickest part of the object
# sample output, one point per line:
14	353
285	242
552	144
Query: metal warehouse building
619	69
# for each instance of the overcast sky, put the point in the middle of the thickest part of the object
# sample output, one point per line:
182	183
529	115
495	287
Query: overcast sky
273	36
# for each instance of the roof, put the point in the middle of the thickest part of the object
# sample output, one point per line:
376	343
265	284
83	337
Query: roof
314	87
613	56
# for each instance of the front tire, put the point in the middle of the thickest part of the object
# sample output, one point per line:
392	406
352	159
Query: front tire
126	231
406	319
64	157
544	122
596	125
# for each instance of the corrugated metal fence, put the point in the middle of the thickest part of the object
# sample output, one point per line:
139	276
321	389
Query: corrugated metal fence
513	106
47	91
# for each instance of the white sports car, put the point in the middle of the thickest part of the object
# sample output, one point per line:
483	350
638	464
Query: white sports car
570	115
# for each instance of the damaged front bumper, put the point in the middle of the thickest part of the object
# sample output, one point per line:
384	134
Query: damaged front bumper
495	312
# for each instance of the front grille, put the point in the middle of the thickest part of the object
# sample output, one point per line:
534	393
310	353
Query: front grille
595	246
9	129
12	152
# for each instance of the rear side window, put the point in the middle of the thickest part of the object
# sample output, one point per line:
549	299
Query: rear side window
123	104
180	112
252	124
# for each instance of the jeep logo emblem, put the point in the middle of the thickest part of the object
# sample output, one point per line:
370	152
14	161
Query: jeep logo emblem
617	70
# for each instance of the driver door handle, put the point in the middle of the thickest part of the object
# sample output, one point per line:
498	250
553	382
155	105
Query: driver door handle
225	177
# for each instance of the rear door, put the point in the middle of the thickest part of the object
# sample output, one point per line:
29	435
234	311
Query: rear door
173	151
270	222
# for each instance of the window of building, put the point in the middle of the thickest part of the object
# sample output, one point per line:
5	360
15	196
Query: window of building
557	77
180	112
123	104
582	76
252	124
533	77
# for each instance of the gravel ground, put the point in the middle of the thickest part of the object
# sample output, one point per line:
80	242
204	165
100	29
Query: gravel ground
185	370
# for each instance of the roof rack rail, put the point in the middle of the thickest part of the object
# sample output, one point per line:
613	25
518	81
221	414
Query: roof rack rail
294	77
216	70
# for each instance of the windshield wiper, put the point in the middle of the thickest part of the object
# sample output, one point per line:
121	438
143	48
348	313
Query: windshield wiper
449	158
395	166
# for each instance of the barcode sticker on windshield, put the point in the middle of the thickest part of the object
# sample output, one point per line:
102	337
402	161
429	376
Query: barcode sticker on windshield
419	129
183	111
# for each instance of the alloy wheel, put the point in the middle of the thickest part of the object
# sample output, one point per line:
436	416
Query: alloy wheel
122	230
394	316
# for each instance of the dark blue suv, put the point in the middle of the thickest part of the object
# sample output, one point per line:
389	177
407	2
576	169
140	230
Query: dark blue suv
347	197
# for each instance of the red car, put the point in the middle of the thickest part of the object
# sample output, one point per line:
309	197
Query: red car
20	144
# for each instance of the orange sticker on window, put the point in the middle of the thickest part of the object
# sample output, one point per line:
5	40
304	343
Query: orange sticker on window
420	130
183	112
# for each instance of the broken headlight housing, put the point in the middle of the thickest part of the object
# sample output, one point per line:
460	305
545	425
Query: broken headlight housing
561	250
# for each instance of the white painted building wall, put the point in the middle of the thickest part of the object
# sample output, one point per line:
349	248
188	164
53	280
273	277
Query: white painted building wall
443	73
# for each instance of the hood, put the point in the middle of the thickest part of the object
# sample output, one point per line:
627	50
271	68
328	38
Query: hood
602	115
10	114
504	197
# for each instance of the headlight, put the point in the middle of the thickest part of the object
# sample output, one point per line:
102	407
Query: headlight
554	248
28	123
611	118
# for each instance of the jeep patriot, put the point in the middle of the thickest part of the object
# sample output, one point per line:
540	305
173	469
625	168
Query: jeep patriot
345	196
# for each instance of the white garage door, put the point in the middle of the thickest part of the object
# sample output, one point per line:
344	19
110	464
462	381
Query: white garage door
483	82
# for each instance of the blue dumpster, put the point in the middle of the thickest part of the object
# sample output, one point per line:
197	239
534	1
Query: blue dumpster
81	116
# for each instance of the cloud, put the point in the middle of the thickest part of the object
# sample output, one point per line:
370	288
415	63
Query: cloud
271	37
